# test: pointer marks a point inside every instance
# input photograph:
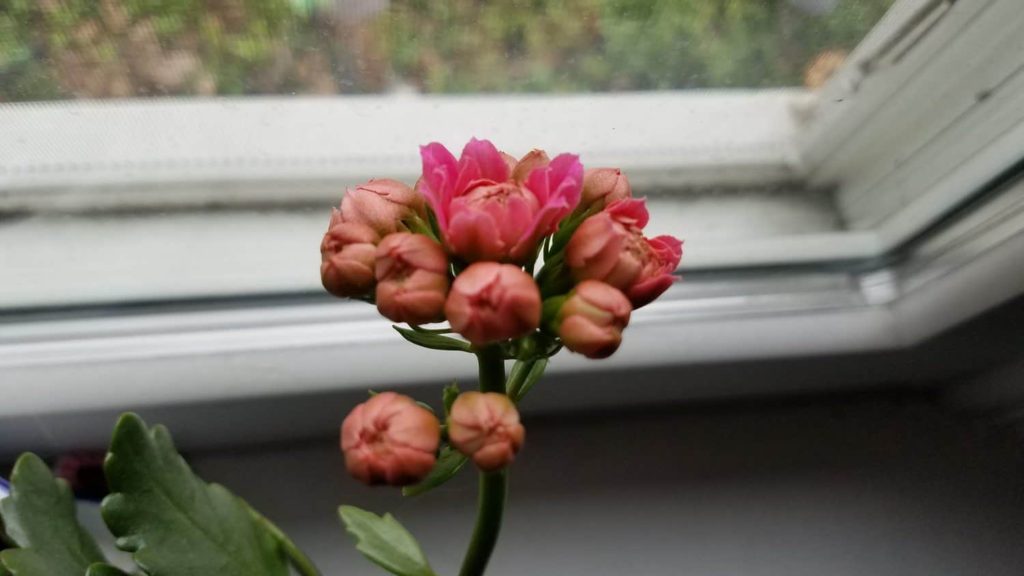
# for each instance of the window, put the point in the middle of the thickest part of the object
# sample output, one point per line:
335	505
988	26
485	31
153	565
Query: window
117	158
166	170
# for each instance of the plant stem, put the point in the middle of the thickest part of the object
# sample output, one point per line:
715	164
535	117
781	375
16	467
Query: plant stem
491	361
490	508
493	485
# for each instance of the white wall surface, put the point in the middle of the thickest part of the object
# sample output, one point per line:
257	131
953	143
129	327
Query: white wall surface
870	486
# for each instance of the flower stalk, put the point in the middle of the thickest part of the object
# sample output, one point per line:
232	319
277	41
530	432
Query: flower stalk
493	485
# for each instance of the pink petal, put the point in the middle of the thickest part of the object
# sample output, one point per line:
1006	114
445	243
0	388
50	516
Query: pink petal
440	173
480	161
516	221
557	187
566	176
669	250
629	211
645	292
474	235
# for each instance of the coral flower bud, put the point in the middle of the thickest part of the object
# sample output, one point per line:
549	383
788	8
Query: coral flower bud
592	318
602	186
347	255
389	439
490	302
412	278
381	204
486	428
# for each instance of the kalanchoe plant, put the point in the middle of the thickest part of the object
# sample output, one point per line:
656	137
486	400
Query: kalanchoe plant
467	255
463	247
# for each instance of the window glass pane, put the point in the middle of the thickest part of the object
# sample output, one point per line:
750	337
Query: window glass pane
156	150
53	49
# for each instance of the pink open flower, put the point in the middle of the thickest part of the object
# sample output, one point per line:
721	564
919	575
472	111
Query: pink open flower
485	427
483	213
610	247
389	439
490	302
662	256
412	278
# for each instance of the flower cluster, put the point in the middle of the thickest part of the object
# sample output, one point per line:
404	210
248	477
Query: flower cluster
461	246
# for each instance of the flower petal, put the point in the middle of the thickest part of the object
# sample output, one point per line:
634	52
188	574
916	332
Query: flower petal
480	160
629	211
474	235
440	173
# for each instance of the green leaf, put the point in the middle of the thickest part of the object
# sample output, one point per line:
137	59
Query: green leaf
448	396
173	522
104	570
516	375
447	466
385	542
532	377
39	516
433	341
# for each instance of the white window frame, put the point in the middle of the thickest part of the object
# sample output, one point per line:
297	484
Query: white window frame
887	191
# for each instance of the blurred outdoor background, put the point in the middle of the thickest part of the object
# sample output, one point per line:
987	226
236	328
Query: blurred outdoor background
61	49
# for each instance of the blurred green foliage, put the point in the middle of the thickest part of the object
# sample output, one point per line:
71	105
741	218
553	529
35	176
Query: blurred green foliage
126	48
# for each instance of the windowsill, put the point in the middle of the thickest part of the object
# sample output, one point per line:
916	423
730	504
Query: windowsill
178	357
94	154
252	181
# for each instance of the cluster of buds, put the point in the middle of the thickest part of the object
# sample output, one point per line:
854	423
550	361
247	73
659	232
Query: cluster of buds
461	246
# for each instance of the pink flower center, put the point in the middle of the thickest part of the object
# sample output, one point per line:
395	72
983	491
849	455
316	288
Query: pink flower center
496	194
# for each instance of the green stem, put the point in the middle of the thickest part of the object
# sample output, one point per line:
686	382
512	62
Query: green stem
491	362
493	485
490	508
298	558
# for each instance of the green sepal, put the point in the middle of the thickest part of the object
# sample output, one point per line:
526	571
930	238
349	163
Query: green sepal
448	396
549	312
173	522
385	542
39	516
435	227
560	239
532	377
433	341
516	374
418	225
554	278
448	464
